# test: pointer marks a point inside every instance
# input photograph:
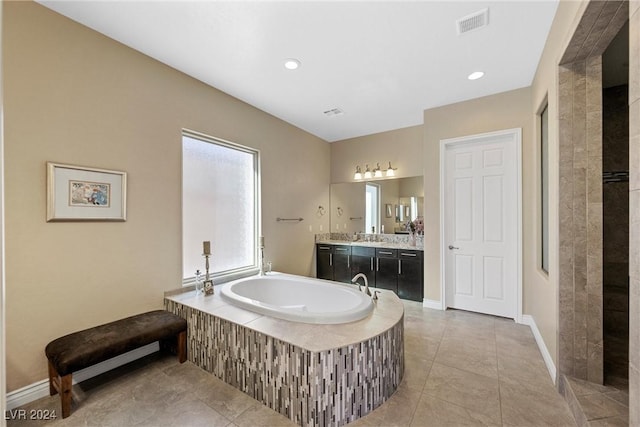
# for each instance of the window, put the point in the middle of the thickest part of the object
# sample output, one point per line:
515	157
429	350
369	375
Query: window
220	204
544	186
372	206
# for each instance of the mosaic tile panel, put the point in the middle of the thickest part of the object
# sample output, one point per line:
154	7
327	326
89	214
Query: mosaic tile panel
325	388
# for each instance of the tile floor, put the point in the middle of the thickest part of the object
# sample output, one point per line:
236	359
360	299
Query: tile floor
461	369
595	405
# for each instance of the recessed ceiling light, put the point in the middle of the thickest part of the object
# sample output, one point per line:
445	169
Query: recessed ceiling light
475	75
291	64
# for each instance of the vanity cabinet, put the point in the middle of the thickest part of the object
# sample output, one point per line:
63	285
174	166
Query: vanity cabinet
333	262
410	275
363	261
399	270
387	269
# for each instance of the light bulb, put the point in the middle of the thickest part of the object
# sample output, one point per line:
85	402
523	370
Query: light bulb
358	174
390	171
367	173
377	172
291	64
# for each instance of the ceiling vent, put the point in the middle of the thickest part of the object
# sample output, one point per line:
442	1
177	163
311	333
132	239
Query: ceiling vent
473	22
333	112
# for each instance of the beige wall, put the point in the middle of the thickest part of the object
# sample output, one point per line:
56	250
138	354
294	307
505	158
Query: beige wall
401	147
75	96
3	376
541	290
505	110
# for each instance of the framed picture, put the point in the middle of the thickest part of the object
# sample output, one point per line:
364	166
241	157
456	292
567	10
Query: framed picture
77	193
389	210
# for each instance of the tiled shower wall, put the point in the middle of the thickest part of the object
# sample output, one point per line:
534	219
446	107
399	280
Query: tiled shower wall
599	24
634	208
580	329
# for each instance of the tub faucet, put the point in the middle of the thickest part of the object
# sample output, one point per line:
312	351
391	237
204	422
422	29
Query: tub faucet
366	282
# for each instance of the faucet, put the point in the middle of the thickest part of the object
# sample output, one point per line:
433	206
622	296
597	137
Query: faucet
366	282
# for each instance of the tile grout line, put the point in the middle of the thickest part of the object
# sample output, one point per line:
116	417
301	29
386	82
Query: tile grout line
427	378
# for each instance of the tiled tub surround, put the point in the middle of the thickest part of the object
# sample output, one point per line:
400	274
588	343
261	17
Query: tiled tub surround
315	375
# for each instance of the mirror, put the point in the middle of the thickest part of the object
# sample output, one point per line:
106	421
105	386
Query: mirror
399	201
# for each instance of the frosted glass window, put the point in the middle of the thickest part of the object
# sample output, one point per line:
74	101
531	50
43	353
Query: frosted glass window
544	185
220	205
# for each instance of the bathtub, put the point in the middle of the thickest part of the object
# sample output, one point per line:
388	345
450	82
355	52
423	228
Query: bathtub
298	299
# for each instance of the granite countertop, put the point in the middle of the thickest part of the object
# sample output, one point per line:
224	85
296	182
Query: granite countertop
389	245
387	312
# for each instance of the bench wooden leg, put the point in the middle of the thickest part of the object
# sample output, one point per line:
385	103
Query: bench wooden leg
65	395
53	377
182	346
62	386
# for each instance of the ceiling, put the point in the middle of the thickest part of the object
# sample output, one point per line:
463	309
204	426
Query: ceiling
381	62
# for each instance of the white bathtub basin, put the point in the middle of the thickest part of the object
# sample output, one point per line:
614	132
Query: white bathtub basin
298	299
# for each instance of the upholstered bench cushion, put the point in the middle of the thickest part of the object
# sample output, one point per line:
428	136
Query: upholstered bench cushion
81	349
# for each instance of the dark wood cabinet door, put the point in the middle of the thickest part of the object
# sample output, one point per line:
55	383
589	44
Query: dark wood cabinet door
342	264
364	265
387	274
410	279
324	262
410	275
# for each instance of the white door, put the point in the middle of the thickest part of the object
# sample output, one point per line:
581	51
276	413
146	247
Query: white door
481	220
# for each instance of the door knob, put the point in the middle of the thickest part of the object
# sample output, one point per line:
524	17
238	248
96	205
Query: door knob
451	247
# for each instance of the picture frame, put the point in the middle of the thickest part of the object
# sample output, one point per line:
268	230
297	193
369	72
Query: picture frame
388	210
208	287
79	193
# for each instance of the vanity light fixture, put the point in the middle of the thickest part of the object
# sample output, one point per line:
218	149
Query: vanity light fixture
390	171
377	172
367	173
358	174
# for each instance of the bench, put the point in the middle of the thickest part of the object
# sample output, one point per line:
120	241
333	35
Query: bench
82	349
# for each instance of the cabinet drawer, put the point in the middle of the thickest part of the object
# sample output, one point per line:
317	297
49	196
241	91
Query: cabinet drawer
324	248
386	253
363	251
342	250
410	255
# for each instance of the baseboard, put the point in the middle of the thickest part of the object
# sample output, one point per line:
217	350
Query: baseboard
432	304
546	356
40	389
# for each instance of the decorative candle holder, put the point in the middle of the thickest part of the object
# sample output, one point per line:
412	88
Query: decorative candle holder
262	272
198	282
208	282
